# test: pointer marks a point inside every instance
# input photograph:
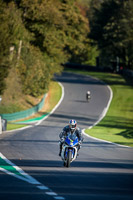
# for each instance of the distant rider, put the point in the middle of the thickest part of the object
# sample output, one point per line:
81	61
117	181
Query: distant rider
73	129
88	95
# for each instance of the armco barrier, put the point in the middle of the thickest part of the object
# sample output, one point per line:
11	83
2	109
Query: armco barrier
25	113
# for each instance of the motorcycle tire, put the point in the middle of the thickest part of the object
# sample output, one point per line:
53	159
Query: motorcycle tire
69	159
64	164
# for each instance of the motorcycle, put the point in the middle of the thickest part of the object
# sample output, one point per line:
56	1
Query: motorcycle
69	149
88	96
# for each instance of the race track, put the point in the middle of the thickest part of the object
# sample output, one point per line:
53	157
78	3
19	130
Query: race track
102	171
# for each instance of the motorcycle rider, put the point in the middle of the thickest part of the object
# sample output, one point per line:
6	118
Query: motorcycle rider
88	95
73	129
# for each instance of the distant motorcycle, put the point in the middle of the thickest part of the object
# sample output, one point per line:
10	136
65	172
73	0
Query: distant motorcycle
88	96
69	149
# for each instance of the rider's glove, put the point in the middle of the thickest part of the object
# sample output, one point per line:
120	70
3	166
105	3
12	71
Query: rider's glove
62	140
80	142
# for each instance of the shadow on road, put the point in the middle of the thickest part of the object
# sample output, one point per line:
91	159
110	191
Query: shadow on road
71	182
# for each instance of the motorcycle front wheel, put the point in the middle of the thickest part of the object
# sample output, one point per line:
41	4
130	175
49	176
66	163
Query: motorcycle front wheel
69	156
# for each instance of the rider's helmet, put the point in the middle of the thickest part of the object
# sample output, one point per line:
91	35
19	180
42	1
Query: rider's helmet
72	125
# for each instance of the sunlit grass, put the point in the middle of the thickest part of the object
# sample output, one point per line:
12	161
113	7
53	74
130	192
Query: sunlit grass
14	126
55	95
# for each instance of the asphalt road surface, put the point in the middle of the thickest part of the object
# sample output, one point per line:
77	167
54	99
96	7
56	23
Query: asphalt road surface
102	171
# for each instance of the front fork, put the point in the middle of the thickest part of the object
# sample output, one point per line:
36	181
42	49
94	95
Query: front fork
74	153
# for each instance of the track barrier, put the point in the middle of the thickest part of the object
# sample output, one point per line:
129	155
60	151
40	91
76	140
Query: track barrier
25	113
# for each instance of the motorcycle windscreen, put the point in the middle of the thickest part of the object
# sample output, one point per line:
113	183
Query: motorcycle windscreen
71	140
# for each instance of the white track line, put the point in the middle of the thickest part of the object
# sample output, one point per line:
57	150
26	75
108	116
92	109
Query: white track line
27	178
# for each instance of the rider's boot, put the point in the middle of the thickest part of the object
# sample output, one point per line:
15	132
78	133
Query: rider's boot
60	153
60	150
78	150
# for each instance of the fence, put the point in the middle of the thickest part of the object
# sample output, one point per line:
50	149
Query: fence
25	113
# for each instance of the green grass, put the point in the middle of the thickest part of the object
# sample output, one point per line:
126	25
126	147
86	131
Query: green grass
117	125
9	109
14	126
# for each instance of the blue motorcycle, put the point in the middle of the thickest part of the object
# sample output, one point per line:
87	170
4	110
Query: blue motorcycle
69	149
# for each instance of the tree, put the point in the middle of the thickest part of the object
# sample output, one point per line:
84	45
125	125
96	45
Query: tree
76	30
42	34
33	71
44	20
60	29
4	46
11	31
112	28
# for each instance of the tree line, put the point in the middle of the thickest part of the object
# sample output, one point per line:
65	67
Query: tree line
37	36
111	24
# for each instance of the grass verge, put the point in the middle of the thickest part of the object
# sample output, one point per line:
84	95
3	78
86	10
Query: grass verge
117	125
53	97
